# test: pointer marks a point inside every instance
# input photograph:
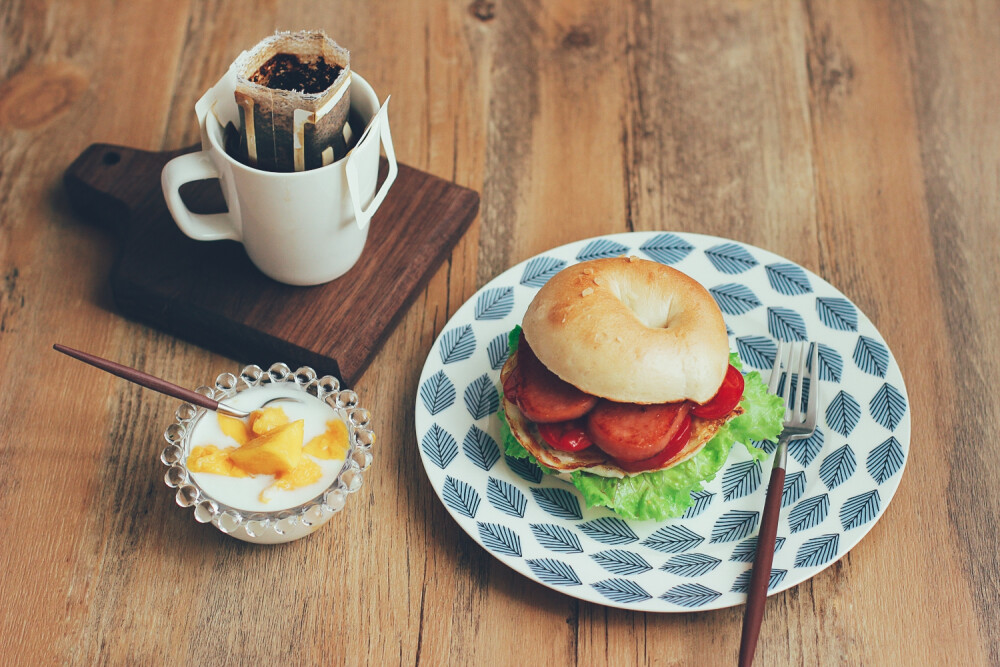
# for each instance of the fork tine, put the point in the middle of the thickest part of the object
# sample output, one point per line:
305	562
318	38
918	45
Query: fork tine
772	383
799	414
789	392
810	418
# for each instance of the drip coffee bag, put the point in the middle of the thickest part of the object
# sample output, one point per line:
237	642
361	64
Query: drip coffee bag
293	91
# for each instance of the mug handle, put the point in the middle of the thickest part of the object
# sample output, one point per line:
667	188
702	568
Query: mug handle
362	216
185	169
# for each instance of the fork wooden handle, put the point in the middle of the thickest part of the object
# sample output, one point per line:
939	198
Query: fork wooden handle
139	378
761	577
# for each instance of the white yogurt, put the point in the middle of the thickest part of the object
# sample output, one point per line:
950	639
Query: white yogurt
244	492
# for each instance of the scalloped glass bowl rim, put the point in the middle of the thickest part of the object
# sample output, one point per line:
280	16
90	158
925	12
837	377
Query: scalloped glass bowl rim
283	524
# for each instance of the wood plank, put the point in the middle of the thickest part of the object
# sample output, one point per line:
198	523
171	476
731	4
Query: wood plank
956	95
874	226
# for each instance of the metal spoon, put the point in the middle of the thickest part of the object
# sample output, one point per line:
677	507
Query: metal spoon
162	386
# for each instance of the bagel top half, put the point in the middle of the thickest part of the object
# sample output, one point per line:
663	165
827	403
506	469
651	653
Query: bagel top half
630	330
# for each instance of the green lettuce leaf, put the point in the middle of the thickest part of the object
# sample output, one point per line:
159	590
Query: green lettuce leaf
667	493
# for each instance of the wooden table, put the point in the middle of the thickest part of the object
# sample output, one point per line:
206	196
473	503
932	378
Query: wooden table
859	139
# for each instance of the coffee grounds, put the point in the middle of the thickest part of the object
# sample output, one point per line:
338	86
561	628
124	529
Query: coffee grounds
285	71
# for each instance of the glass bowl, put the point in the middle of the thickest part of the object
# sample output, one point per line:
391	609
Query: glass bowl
289	523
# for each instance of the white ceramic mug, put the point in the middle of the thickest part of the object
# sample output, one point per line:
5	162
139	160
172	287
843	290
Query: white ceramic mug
300	228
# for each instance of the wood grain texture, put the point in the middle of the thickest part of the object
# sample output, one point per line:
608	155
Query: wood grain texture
859	139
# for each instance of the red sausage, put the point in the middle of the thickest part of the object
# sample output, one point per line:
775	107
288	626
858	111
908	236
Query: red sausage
632	432
542	395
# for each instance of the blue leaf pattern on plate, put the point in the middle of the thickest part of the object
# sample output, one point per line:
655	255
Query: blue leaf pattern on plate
437	393
757	351
608	530
481	397
795	486
837	467
785	324
460	497
860	509
690	595
804	451
480	448
843	413
691	565
505	497
730	258
457	344
497	351
601	248
817	550
666	248
556	538
620	561
524	469
742	582
673	539
734	525
621	591
741	479
767	445
557	502
702	499
439	446
830	363
885	460
788	279
734	299
837	313
553	572
500	539
495	304
888	407
871	356
808	513
746	551
540	269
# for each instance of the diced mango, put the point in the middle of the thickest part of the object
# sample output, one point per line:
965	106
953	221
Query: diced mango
273	453
267	419
332	444
213	460
305	473
235	428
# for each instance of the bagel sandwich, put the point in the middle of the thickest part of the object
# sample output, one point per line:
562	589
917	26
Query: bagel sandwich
620	381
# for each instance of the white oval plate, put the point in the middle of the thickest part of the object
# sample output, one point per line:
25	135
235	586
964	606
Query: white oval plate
839	481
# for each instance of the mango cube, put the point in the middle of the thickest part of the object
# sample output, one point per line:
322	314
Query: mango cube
267	419
235	429
273	453
214	460
332	443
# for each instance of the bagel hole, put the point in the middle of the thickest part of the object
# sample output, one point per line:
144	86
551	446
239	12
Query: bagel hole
651	311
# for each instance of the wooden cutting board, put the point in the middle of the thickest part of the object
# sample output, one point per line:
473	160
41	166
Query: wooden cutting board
210	294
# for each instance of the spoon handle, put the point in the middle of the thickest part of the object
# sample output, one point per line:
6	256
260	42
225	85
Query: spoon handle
140	378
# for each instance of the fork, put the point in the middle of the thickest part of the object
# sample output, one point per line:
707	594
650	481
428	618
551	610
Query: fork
797	425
